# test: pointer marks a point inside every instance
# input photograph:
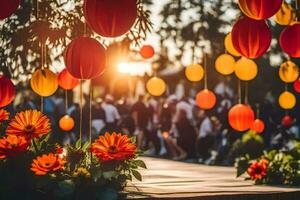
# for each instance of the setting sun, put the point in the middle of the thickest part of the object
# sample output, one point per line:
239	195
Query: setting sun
135	68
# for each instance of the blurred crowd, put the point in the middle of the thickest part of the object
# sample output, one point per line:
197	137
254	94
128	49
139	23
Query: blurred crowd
168	127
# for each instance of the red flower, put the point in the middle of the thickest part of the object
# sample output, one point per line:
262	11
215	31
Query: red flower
258	169
4	115
47	163
12	145
114	147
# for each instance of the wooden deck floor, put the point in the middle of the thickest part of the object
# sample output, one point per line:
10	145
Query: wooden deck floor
165	179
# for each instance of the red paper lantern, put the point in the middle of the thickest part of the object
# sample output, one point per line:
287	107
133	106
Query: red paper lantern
297	85
287	121
7	91
206	99
8	7
85	58
258	126
290	40
147	51
251	38
241	117
66	80
66	123
110	18
260	9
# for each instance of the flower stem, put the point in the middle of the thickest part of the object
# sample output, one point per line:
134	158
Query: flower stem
35	145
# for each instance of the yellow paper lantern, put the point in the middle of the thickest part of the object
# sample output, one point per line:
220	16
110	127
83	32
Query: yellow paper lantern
229	46
44	82
246	69
194	72
286	15
225	64
288	72
156	86
287	100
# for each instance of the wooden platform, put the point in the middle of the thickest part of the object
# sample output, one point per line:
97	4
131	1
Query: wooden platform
166	179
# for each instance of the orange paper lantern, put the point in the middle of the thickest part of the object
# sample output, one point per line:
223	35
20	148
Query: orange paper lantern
156	86
246	69
66	123
260	9
290	40
285	15
258	126
8	7
44	82
66	80
229	46
287	100
85	58
288	72
241	117
194	72
225	64
110	18
7	91
251	38
206	99
296	85
147	51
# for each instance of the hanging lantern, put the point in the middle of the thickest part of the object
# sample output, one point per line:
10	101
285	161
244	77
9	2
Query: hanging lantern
66	80
251	38
287	100
246	69
287	121
206	99
229	46
285	15
258	126
296	85
44	82
260	9
194	72
85	58
225	64
147	51
7	91
288	72
110	18
156	86
241	117
8	7
290	40
66	123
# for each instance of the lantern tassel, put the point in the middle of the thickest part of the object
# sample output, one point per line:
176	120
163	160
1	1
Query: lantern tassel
66	101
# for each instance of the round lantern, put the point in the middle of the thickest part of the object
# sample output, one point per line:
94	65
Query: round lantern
147	51
110	18
8	7
246	69
285	15
85	58
229	46
297	85
251	38
66	80
7	91
287	121
44	82
241	117
194	72
156	86
290	40
206	99
288	72
287	100
260	9
225	64
66	123
258	126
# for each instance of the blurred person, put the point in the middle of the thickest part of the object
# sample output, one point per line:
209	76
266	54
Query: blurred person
112	115
98	116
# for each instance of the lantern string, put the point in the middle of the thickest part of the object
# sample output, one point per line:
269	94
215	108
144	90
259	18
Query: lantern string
296	10
257	111
42	56
246	93
42	104
286	87
66	101
90	122
193	55
37	9
239	92
80	113
205	70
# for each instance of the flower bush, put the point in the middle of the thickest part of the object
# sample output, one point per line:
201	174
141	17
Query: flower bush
39	169
274	167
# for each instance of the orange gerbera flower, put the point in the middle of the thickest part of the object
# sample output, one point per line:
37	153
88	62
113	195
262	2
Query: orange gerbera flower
47	163
12	145
258	169
30	124
114	147
4	115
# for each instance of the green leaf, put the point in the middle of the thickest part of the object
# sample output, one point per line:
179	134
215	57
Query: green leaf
140	163
136	174
86	146
77	144
110	174
133	139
